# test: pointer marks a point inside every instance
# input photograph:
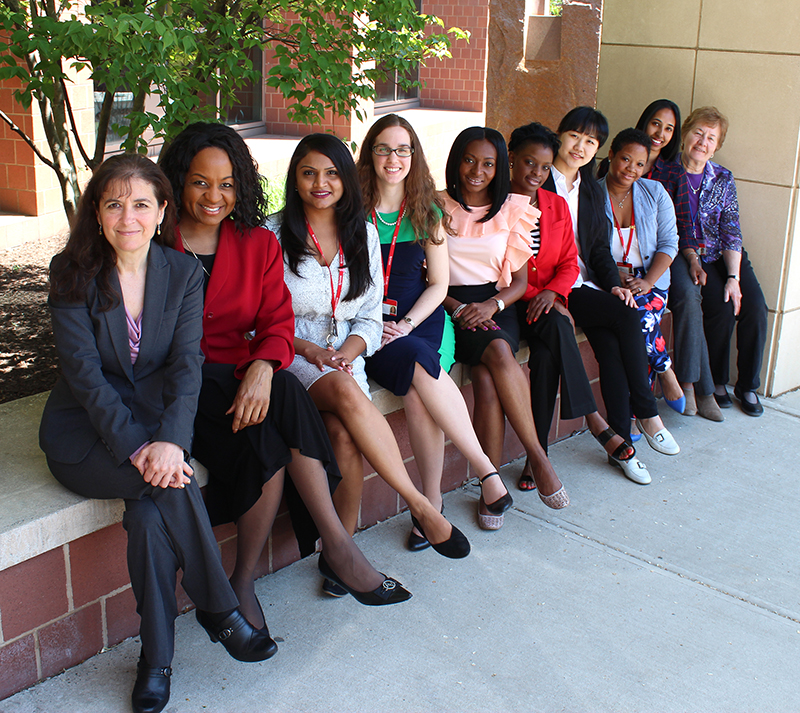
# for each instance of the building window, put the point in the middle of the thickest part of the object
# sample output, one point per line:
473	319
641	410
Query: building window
390	95
246	107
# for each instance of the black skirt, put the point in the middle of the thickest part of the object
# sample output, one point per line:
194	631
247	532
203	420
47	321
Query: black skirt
471	345
240	463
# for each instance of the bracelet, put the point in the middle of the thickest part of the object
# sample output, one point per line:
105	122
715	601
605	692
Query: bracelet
457	311
410	321
733	277
694	255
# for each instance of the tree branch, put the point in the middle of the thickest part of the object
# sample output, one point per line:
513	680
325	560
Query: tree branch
102	129
74	128
15	128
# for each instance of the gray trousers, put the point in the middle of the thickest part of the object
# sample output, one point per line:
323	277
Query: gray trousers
691	351
168	529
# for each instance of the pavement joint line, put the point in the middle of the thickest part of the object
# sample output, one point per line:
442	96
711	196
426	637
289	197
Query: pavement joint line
641	558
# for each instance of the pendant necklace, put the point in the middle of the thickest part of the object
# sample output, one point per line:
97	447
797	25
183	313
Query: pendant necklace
187	247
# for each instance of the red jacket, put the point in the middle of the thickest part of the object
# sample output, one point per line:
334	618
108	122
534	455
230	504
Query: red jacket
556	266
247	293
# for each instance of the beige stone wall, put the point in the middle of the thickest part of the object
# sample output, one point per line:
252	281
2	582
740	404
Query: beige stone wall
743	57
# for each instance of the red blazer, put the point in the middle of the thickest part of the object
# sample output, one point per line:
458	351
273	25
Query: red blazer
556	266
246	293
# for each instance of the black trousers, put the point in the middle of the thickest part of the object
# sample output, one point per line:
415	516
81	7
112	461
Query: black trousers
615	333
554	355
168	529
719	323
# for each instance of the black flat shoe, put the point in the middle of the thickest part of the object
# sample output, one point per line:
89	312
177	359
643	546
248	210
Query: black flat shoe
332	589
390	592
455	547
151	690
416	543
724	401
755	409
239	637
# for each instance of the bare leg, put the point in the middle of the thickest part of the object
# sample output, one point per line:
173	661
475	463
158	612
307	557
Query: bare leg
253	529
338	393
515	398
427	444
347	498
597	424
446	406
488	419
669	385
341	553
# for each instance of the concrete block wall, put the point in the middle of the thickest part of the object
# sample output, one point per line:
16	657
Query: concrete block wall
744	58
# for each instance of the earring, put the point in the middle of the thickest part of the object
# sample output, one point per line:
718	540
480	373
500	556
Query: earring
158	229
99	228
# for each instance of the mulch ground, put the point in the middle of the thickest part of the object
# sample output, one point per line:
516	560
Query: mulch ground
28	362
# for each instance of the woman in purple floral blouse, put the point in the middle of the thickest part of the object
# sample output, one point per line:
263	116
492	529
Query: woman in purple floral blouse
714	282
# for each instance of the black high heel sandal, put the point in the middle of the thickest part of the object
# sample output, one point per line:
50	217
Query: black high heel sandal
390	592
624	451
494	520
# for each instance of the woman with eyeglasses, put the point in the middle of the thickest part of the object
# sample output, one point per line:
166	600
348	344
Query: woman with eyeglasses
401	202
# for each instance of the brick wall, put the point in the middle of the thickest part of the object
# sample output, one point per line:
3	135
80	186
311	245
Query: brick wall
458	83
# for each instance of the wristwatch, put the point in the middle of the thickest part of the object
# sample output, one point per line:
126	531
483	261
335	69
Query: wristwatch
410	321
500	304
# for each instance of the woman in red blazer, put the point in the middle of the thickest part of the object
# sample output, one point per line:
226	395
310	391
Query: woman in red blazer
255	422
544	320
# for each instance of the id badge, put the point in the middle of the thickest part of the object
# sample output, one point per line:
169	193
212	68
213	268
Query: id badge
701	250
389	308
626	267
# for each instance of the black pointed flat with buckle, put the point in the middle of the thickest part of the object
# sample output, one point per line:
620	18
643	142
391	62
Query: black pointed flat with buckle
151	690
239	637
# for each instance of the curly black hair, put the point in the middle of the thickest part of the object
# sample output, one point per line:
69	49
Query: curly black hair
250	209
534	133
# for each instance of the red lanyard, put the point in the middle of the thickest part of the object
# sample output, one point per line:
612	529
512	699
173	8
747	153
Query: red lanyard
388	270
625	250
334	296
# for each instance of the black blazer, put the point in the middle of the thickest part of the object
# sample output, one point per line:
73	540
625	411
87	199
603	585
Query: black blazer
593	241
99	394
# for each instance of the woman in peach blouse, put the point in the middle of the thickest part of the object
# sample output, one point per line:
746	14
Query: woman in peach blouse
488	273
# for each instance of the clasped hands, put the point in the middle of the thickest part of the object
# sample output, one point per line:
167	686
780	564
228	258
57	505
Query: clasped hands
478	314
162	464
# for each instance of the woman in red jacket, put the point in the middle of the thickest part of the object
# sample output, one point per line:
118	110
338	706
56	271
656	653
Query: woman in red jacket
544	320
255	422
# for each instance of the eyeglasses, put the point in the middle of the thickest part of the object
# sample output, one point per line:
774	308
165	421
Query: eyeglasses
384	150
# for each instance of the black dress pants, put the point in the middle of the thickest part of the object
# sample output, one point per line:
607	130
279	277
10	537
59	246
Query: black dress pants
554	354
168	529
615	333
719	322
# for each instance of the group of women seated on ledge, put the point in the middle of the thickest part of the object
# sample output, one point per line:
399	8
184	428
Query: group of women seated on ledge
188	321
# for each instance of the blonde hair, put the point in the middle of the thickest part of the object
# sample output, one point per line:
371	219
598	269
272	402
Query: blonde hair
709	115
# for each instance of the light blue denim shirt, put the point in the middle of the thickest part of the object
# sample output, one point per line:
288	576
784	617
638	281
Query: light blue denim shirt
656	229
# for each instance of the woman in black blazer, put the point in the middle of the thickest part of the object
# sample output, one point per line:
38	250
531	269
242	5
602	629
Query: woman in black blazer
127	324
599	304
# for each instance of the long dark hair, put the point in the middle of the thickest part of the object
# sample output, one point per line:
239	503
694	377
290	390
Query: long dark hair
250	209
88	255
421	193
500	186
351	223
586	120
670	151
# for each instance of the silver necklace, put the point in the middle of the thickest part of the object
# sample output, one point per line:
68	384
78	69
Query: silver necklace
620	204
187	247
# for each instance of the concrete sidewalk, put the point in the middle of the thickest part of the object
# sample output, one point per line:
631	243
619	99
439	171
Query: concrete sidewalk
679	596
